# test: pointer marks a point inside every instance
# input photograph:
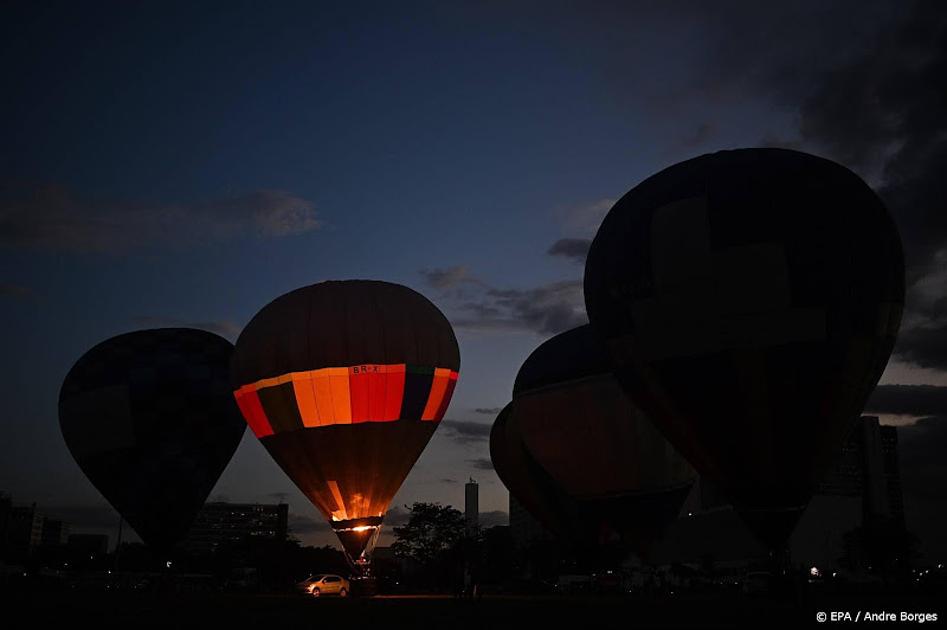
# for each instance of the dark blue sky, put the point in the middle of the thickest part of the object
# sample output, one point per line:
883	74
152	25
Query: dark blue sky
167	164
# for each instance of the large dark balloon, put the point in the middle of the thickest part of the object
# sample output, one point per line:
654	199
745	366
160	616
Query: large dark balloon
598	447
150	418
750	300
527	481
344	383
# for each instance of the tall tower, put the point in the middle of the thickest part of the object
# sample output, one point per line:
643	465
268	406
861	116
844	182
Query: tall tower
472	506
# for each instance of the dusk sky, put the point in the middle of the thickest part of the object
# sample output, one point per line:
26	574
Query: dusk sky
178	165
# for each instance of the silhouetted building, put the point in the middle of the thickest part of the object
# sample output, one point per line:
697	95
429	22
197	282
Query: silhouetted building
472	506
25	531
869	468
892	467
863	486
89	543
55	533
846	477
220	524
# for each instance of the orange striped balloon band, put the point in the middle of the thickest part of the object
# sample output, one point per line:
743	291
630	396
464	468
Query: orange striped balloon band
346	395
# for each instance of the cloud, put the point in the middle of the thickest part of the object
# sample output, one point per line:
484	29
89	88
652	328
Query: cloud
55	218
448	278
898	126
909	400
224	328
466	431
925	347
859	83
547	309
584	219
771	49
481	463
575	249
488	411
923	337
858	80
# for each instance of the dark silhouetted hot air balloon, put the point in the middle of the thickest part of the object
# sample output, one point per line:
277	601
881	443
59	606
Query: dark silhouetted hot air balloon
750	300
344	383
598	447
532	486
150	418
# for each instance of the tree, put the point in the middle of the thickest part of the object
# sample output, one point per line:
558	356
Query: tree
432	540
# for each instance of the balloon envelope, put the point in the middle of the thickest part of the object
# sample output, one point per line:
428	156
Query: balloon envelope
750	300
526	480
600	448
150	419
344	383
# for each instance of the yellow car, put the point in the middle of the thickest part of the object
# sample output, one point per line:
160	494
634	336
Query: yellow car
325	584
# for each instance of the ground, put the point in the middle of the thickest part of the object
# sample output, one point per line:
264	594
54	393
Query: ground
274	612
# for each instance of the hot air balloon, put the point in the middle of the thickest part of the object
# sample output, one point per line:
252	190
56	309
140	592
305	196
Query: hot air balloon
598	447
344	383
750	300
527	481
150	419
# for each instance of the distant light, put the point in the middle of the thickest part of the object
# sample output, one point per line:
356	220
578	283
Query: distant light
690	514
834	573
168	564
814	572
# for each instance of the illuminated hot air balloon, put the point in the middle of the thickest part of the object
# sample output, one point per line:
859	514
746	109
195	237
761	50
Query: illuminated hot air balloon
601	449
150	419
344	383
750	300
